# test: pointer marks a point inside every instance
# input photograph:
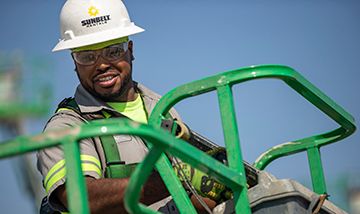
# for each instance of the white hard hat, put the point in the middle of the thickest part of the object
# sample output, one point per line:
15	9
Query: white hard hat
87	22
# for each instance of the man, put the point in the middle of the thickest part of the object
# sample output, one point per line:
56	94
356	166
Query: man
97	33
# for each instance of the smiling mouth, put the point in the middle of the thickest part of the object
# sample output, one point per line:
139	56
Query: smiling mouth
107	82
106	78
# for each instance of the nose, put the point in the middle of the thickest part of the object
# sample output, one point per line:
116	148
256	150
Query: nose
102	65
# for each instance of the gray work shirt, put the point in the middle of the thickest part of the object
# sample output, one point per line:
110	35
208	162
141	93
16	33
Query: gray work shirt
131	148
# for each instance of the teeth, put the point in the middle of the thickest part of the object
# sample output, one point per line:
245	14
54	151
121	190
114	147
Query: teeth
105	79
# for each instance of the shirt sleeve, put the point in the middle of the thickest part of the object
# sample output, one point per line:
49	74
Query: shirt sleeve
51	162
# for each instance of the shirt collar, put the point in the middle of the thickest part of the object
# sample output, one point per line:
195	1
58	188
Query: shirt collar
87	102
90	104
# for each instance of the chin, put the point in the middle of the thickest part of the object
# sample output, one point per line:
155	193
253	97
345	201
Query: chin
109	97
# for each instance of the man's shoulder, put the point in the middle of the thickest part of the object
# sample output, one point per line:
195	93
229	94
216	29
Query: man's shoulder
145	91
68	104
66	115
152	98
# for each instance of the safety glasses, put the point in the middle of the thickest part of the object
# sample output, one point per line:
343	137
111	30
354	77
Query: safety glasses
111	53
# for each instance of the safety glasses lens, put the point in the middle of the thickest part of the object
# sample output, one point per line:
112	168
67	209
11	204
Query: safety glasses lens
111	53
114	52
85	57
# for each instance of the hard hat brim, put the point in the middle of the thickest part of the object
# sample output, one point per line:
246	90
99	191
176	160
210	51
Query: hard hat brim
97	37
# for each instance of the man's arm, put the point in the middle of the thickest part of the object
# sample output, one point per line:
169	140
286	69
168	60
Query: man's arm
106	195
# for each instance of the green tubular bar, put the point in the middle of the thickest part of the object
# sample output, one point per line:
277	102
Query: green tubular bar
11	110
223	83
75	182
232	144
162	141
35	108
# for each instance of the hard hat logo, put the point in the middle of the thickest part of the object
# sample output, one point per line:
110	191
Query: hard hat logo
95	21
93	11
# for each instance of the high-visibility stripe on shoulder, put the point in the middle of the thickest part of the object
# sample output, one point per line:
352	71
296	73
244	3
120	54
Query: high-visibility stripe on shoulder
58	171
64	109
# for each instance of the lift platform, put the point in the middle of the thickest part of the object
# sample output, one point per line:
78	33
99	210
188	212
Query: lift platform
269	195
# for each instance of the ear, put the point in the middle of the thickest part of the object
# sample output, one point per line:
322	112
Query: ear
75	69
130	47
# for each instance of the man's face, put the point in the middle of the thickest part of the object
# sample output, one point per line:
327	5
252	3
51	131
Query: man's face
106	79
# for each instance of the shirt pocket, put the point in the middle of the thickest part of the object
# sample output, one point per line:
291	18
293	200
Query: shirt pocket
131	148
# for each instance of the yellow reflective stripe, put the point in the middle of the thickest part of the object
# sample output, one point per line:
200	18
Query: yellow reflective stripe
54	175
64	109
86	167
61	163
91	167
58	176
91	159
56	167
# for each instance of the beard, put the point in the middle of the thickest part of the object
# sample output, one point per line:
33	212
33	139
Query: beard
117	95
110	97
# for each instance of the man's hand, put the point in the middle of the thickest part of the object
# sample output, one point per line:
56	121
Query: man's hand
154	189
204	184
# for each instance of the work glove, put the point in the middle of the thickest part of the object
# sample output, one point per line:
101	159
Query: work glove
204	184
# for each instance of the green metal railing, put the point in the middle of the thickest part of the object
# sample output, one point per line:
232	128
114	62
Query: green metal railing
232	176
21	110
17	103
223	83
69	138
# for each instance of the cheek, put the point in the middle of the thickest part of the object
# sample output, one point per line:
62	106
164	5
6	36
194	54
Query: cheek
84	75
123	67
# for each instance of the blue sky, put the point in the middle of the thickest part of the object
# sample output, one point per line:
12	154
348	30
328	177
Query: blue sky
189	40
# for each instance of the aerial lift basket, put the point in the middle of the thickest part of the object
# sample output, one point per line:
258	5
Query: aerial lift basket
268	195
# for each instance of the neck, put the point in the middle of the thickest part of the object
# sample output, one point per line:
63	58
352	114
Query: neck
129	93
